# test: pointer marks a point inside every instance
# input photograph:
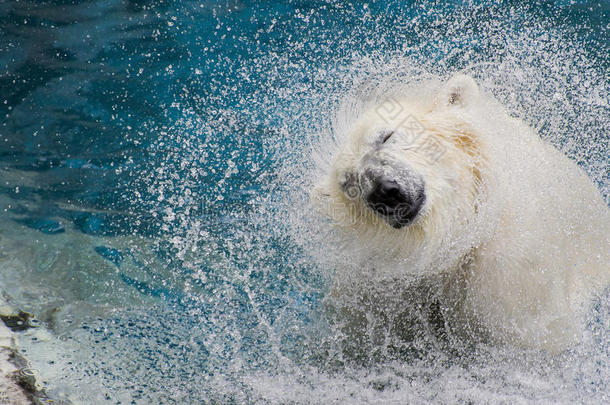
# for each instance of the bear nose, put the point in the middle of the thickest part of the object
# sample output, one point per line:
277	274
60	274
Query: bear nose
386	196
390	200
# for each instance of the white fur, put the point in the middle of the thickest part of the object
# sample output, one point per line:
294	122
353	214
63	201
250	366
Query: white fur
518	232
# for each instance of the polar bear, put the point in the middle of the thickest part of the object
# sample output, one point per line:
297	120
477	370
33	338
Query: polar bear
443	182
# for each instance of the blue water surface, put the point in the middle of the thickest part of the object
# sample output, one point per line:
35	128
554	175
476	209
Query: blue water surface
167	142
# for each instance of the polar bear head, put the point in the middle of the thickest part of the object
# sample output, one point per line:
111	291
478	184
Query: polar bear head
409	170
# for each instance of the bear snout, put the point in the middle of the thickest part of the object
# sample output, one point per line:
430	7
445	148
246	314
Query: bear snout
396	205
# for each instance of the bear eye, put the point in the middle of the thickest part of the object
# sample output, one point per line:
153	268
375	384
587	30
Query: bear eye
385	136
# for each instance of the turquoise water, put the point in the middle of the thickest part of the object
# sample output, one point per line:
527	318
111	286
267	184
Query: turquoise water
155	165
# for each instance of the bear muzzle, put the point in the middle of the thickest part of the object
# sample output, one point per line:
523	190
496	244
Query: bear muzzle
395	204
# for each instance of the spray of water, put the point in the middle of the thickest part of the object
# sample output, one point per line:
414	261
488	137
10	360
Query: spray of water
234	296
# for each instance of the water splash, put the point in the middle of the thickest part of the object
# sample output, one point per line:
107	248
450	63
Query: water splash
211	117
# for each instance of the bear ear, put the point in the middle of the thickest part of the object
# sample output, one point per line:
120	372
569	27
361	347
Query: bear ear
459	91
